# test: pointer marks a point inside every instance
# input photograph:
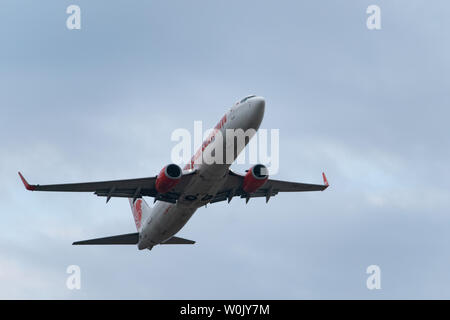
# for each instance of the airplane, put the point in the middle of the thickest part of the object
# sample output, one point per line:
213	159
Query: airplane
178	193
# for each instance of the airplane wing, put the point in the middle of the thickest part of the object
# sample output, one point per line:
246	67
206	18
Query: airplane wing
130	188
136	188
233	187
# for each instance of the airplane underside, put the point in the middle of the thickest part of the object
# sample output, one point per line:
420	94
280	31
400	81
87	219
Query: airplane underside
178	192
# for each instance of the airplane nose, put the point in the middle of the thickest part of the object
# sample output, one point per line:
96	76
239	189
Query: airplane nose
257	106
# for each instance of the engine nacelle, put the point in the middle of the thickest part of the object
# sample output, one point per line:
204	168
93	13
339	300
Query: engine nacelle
168	178
255	178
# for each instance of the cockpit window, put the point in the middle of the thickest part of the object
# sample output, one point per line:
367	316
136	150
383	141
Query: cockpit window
246	98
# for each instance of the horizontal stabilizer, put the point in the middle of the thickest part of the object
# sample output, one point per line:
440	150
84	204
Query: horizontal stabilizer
129	238
176	240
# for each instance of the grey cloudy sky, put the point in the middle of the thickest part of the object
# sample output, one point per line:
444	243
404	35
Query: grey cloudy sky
370	108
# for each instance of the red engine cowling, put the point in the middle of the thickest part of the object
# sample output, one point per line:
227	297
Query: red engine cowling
168	178
255	178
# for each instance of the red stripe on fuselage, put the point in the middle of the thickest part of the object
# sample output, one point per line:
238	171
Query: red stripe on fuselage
137	213
206	143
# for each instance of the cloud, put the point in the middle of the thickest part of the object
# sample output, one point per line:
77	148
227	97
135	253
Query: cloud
368	108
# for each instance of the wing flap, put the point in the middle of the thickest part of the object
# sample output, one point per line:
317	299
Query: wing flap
100	186
287	186
233	188
129	188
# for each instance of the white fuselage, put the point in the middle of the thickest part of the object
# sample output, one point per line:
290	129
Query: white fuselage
166	219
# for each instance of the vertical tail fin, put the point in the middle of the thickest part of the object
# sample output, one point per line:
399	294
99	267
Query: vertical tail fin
140	210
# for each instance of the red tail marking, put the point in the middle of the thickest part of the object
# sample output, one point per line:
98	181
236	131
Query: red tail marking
25	183
137	213
325	181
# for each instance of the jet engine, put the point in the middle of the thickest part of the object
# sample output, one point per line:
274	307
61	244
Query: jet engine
255	178
168	178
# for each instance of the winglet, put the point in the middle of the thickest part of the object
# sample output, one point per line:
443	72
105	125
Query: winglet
25	183
325	181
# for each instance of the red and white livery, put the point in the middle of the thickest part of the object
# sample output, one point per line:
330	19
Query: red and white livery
178	192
